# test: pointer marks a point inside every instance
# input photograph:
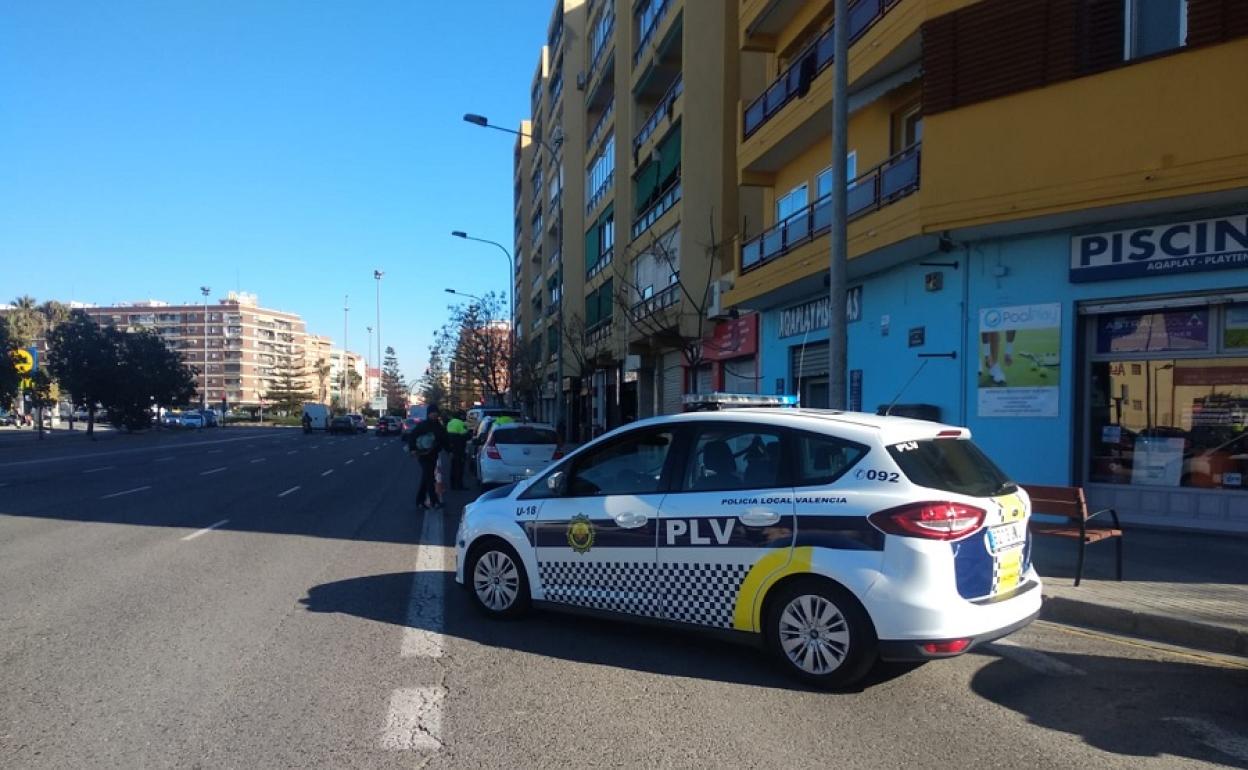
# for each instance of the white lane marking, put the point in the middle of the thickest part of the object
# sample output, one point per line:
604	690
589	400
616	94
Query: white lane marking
348	462
162	459
258	460
289	491
326	473
125	492
1033	659
314	446
215	451
414	719
196	534
214	470
162	448
1225	741
97	470
293	452
422	635
366	454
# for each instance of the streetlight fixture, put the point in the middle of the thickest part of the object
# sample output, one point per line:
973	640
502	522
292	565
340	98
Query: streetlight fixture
377	274
463	294
203	396
511	268
551	150
345	400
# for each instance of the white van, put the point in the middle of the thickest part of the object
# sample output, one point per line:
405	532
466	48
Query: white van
319	413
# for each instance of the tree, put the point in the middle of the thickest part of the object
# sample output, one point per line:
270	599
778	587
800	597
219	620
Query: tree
151	375
433	386
10	379
478	341
290	391
322	370
83	358
24	321
392	383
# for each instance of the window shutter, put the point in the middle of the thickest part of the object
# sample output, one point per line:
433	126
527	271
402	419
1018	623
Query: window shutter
1101	35
1214	21
591	247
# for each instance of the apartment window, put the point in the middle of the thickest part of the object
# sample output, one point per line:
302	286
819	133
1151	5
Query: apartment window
791	202
601	33
907	127
823	182
647	292
1153	26
601	173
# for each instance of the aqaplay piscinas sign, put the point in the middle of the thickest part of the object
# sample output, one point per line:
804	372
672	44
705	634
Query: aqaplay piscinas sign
1182	247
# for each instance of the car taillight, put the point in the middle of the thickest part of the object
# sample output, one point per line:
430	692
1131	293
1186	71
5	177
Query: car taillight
932	521
491	452
951	647
558	455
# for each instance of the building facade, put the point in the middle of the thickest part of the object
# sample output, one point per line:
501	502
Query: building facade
623	229
1048	235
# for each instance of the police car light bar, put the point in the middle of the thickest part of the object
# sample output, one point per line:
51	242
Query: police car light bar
707	401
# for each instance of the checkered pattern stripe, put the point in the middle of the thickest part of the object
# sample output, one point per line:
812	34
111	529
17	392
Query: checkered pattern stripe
616	586
1007	570
704	594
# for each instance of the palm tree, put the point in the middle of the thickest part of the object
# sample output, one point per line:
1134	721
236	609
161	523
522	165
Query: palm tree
322	375
25	323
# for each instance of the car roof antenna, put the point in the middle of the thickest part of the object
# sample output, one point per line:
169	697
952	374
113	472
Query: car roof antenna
897	397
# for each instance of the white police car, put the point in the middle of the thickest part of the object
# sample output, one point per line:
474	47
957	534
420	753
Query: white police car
835	539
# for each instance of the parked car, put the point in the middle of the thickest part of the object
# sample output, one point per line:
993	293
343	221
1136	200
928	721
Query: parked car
911	543
361	425
7	417
170	419
342	424
515	451
478	413
388	425
192	420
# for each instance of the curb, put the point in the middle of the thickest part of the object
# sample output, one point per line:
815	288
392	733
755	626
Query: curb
1160	628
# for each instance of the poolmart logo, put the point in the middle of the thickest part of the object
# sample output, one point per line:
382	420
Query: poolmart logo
1182	247
1020	317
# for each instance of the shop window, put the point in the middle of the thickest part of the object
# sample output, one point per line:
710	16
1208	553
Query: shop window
1153	26
1153	332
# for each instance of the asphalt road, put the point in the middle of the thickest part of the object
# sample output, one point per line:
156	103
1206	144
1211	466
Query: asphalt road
262	598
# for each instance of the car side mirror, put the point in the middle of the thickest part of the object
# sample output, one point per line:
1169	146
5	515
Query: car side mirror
555	482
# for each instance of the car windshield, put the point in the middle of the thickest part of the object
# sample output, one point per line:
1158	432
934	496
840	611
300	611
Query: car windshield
525	435
951	465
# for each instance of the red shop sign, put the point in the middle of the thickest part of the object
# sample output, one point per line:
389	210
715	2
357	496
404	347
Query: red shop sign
733	338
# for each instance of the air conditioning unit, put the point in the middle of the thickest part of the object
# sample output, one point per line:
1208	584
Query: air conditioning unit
582	80
715	303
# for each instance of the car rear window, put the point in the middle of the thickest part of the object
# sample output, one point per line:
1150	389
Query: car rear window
951	465
525	436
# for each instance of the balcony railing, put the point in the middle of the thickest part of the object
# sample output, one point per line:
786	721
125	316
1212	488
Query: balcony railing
651	305
662	110
596	134
598	332
862	16
604	44
603	261
893	179
643	39
669	198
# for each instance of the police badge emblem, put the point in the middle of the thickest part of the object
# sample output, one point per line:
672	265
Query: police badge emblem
580	533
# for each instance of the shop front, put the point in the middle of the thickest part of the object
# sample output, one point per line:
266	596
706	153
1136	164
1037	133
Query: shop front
1113	357
729	358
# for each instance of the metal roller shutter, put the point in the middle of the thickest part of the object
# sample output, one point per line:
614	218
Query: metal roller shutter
808	360
673	375
740	375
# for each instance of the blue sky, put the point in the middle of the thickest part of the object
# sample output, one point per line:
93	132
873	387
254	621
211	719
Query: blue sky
284	148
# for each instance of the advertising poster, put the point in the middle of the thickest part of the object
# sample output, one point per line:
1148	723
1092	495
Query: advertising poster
1020	360
1158	461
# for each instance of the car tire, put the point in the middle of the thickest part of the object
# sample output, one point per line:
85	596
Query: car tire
819	633
496	580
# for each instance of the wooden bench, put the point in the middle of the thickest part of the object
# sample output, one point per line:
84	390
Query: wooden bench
1069	503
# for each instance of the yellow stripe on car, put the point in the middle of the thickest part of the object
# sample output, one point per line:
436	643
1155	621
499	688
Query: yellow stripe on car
765	573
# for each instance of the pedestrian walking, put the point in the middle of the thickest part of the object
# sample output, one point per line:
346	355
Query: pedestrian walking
457	431
426	441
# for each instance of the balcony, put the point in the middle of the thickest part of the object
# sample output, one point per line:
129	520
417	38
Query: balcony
603	121
664	109
600	194
892	180
601	264
598	332
650	19
602	39
651	305
862	16
666	200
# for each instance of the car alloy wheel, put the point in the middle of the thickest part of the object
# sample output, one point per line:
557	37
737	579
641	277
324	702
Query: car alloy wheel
496	581
814	635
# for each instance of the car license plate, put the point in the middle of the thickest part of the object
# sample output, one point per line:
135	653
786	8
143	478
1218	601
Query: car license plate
519	476
1005	536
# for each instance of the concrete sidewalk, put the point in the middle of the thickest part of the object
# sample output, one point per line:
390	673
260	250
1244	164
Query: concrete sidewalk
1188	589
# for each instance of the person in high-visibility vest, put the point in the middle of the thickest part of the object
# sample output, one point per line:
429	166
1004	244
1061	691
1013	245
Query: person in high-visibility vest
457	432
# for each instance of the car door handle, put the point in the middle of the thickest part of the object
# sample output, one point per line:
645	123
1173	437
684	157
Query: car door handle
759	517
631	519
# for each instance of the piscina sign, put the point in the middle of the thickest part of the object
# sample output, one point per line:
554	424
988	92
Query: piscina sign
1182	247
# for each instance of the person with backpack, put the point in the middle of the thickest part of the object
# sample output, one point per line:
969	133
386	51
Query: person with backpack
427	441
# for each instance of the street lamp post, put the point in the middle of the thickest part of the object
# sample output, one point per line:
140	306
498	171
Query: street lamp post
368	391
511	268
483	122
463	294
377	274
346	309
203	396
